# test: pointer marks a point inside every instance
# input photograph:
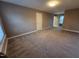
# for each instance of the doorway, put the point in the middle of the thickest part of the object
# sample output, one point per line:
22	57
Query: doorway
58	22
39	20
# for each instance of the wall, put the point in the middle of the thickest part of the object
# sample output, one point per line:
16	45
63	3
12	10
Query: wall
18	20
46	20
71	21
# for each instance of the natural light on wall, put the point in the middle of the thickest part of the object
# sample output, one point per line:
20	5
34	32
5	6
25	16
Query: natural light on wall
52	3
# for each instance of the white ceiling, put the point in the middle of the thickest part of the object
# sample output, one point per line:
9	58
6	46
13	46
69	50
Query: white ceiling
41	5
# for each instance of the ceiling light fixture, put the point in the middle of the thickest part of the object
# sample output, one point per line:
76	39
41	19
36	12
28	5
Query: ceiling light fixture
52	3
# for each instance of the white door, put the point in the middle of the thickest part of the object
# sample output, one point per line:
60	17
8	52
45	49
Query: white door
39	20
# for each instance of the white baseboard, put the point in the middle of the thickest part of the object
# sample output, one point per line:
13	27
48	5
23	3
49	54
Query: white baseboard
71	30
22	34
26	33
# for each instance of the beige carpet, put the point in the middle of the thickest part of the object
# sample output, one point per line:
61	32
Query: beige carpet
47	43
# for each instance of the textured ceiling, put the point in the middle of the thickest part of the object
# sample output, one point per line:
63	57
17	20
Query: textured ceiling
41	5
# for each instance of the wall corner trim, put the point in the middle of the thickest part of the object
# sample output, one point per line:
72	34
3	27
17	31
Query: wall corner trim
22	34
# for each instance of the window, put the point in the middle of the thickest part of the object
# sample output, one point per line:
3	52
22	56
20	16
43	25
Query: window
61	20
1	33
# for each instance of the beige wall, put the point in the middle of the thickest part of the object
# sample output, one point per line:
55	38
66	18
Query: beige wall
18	20
46	20
71	21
